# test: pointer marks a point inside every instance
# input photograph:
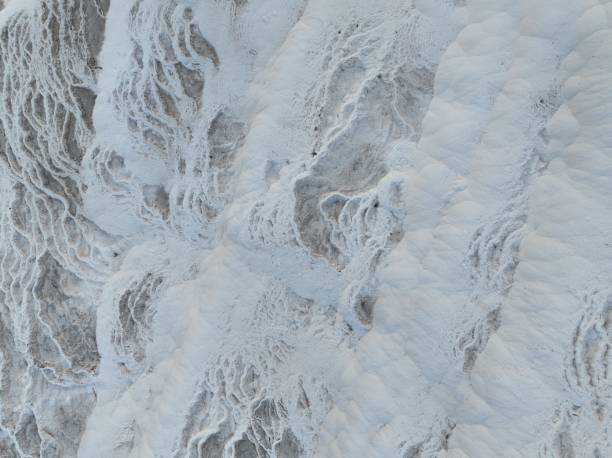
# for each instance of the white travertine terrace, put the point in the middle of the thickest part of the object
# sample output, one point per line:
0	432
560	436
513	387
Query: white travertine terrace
305	228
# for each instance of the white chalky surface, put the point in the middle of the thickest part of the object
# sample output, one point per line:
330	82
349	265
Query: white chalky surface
305	228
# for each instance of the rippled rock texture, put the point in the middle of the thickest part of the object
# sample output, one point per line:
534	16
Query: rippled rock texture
305	228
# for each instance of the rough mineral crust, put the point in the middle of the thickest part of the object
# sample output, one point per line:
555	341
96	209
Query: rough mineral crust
305	228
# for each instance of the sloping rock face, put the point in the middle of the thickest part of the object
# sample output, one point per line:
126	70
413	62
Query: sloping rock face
303	228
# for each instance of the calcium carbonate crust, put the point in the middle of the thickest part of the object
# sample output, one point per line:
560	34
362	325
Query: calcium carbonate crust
303	228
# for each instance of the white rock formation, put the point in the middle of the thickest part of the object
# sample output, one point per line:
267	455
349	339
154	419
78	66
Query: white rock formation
305	228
